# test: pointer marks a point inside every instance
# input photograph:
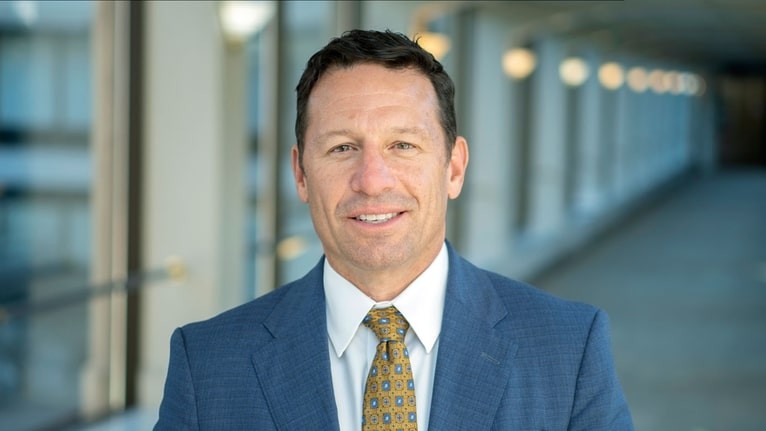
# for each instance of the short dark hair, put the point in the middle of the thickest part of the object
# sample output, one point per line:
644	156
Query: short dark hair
385	48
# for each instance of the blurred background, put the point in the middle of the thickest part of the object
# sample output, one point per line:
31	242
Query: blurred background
618	157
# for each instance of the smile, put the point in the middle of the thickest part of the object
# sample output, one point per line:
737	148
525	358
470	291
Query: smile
376	218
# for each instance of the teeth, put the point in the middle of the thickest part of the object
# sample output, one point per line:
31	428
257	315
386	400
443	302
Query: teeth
376	218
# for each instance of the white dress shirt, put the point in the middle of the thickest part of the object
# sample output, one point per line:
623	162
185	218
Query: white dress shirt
352	345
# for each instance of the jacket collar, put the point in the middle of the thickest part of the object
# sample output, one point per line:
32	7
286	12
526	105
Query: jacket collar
474	363
294	368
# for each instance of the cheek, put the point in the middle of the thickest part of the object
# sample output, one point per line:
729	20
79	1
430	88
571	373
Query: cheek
324	193
426	182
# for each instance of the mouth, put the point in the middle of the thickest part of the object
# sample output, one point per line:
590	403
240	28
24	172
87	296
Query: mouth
375	218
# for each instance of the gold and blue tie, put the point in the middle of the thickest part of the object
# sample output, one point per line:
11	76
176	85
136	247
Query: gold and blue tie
389	395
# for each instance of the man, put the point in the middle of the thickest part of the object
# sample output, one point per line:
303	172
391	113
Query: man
392	329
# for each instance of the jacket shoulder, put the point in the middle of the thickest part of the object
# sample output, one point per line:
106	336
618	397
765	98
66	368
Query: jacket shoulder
535	315
518	294
248	322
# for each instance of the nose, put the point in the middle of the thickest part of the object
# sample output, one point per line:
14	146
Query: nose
372	175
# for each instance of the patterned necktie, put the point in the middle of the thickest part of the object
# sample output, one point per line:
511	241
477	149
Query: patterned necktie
389	395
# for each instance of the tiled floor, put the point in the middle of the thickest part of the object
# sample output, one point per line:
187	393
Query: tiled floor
133	420
685	287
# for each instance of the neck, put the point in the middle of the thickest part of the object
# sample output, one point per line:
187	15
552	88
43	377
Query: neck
384	284
382	288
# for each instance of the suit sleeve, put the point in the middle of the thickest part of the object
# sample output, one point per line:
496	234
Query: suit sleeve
178	410
599	403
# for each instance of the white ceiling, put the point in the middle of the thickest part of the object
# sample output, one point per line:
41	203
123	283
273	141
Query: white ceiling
727	35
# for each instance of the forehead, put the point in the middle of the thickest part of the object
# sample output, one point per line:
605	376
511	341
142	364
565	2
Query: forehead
366	88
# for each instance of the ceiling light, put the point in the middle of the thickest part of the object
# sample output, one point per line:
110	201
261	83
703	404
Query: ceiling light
611	75
435	43
686	83
701	85
638	79
574	71
241	19
519	63
672	82
27	11
657	81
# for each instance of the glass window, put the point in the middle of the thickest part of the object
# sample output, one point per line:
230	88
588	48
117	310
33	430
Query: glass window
572	148
45	177
306	27
522	125
258	54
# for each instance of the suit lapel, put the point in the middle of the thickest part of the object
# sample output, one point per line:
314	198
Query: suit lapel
474	363
294	368
472	370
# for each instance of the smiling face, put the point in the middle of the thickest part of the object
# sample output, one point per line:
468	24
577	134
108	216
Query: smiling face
376	174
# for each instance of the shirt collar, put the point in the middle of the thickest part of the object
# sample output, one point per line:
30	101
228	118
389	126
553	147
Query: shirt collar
421	303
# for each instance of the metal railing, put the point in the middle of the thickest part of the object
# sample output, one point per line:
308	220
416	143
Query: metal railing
174	269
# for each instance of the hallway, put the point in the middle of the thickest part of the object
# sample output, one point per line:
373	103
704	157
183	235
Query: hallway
684	283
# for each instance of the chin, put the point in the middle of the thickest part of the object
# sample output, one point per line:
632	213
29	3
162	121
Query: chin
378	258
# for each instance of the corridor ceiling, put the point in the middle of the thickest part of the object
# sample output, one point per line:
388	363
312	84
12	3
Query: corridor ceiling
718	35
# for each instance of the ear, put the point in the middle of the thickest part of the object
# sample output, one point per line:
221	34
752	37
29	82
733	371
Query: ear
457	166
299	175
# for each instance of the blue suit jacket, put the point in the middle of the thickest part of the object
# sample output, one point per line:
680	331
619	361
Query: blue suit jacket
511	357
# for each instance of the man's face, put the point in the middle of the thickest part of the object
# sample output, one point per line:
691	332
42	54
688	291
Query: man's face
376	172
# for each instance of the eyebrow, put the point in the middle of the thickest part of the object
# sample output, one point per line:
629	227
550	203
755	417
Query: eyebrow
332	133
410	130
419	131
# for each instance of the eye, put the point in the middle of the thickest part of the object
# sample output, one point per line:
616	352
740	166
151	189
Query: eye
341	148
403	146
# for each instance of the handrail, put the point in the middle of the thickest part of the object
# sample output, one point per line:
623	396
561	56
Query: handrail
174	269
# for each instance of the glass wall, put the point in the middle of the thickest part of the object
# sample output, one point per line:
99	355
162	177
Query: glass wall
45	182
259	51
308	27
304	27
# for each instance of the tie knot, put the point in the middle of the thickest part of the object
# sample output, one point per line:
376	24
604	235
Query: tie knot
387	323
